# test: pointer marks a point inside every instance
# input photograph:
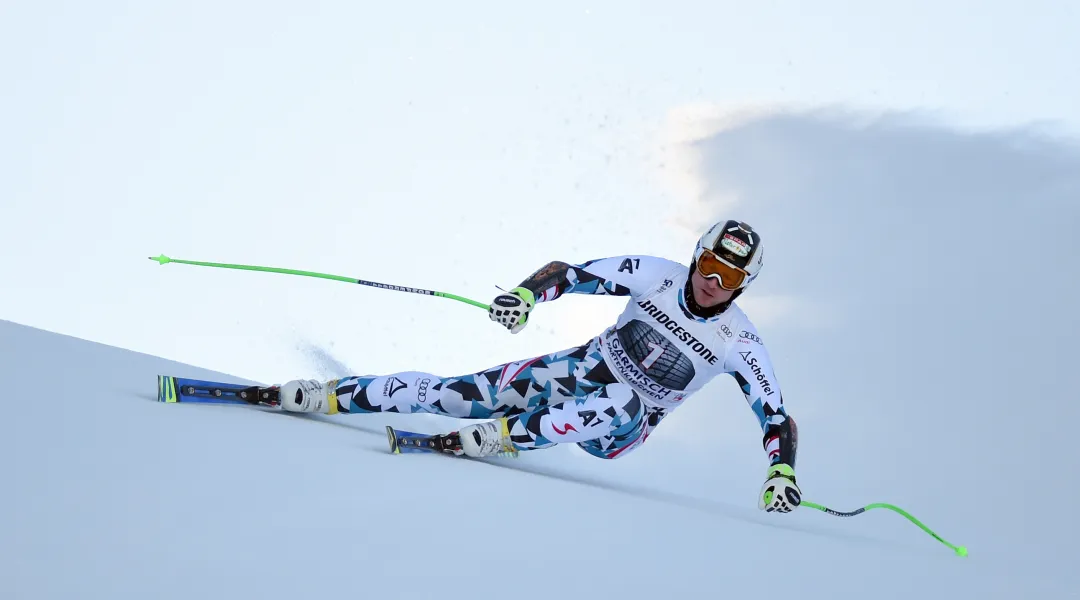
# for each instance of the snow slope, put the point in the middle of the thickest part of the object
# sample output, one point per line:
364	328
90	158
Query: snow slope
110	494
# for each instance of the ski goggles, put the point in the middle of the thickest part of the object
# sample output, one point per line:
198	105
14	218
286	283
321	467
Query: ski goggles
710	265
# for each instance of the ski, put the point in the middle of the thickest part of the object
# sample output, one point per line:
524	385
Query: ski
183	389
186	390
449	443
408	441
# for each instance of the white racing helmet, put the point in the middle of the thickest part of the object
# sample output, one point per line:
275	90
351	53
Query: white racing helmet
731	253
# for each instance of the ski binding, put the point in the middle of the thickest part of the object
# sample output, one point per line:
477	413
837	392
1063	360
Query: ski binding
408	441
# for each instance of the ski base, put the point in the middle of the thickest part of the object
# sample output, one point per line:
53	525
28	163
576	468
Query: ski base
183	389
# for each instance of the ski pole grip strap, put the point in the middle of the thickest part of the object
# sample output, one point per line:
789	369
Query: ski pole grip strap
526	294
781	470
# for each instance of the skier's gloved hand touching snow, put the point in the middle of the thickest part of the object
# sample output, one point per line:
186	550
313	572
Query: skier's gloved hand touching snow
511	310
779	493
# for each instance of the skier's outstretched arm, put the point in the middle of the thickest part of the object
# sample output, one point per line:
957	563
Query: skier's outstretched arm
614	276
748	361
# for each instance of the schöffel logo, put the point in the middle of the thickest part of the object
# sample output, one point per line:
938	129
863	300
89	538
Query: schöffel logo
766	387
393	386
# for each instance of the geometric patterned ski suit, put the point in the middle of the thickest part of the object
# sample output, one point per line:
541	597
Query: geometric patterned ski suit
608	394
569	396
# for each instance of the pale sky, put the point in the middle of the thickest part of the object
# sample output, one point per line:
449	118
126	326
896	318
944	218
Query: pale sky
882	150
453	147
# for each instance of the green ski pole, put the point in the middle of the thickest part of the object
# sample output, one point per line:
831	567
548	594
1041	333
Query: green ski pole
959	550
162	259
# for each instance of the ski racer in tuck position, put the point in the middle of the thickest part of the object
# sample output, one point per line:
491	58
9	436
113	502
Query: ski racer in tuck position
680	329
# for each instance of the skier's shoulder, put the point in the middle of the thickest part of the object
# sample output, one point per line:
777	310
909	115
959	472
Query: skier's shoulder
639	272
631	264
667	265
742	328
662	275
740	320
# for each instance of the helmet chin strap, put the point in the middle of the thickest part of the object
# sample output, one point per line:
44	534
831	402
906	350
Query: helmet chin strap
692	304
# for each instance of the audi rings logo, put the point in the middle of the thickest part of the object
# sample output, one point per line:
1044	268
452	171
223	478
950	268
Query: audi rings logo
746	335
422	388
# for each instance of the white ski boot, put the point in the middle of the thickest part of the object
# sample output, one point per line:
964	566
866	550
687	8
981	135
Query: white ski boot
486	439
309	395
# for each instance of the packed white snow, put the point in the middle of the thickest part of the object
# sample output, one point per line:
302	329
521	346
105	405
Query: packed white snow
108	493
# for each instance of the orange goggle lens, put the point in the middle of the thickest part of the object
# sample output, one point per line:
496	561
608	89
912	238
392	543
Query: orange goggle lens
711	265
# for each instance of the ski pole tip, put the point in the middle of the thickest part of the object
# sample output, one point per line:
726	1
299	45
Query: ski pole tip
961	551
161	259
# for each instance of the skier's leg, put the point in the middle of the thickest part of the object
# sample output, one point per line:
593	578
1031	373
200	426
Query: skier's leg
507	389
623	441
605	422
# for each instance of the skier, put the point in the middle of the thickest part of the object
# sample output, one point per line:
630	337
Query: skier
680	329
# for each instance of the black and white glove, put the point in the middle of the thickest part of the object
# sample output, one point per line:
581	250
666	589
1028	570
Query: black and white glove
511	310
780	493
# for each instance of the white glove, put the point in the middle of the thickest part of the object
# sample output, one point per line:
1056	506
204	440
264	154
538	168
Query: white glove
779	493
511	310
